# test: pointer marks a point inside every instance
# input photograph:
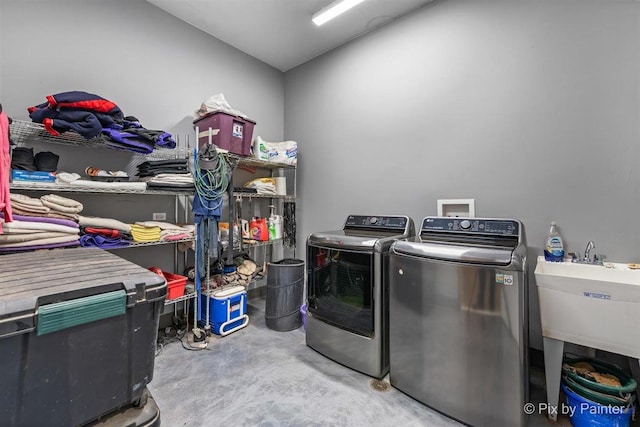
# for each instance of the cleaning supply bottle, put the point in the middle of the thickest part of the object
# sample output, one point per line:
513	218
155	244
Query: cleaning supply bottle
264	231
254	228
272	223
554	248
275	225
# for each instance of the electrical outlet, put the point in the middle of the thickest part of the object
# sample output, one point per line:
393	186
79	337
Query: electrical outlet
159	216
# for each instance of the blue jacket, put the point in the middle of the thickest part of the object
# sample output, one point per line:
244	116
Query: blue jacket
82	112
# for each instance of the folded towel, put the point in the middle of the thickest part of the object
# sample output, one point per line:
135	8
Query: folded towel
47	241
145	234
170	177
63	215
94	221
43	219
61	204
73	180
169	237
51	214
24	225
28	204
25	200
16	208
162	225
34	246
27	237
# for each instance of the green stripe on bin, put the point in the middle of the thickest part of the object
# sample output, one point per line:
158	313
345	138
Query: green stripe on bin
62	315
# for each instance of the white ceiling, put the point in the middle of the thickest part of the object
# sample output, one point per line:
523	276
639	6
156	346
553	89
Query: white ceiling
280	32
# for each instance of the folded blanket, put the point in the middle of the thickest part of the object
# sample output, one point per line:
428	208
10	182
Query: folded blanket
173	237
96	240
173	186
106	232
25	200
73	180
42	226
45	241
63	215
27	212
34	246
28	204
43	219
51	214
171	177
94	221
158	171
263	185
27	237
162	225
61	204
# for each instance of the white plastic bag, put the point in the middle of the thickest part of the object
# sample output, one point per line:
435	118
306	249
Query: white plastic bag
278	152
217	103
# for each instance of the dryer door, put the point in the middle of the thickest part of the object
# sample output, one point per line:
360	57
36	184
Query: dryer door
340	288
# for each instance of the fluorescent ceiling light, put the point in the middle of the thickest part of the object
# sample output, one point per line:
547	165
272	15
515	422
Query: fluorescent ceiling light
334	9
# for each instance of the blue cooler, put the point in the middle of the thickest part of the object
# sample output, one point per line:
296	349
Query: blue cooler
227	309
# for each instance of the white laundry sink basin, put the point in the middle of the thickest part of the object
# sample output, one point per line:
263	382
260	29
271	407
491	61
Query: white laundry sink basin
591	305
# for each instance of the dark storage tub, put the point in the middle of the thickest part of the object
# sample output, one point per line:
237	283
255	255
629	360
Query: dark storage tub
285	285
228	133
78	329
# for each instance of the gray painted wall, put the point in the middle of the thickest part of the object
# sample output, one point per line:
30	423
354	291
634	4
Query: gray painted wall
530	108
153	65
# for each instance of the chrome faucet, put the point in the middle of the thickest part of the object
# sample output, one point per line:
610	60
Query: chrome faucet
590	246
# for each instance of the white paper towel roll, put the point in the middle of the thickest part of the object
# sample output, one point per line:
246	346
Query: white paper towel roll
281	185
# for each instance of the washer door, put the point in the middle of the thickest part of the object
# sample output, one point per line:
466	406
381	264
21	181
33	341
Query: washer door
340	288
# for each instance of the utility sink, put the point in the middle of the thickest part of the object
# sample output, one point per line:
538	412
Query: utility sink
592	305
596	306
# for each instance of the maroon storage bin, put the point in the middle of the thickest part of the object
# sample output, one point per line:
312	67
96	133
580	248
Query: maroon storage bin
229	133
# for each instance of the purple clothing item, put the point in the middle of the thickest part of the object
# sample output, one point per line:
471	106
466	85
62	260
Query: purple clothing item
58	221
96	240
34	247
126	141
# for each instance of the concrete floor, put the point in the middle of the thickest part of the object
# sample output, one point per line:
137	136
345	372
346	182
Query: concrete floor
259	377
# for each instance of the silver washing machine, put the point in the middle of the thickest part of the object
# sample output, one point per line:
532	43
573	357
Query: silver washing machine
459	319
347	292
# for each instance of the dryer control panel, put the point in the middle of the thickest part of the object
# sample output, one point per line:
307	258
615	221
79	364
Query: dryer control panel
381	222
502	227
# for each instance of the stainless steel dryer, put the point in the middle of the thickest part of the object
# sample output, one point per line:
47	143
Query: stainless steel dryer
458	319
347	291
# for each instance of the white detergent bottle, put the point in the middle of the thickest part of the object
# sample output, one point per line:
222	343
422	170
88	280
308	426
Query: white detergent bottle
272	224
554	248
275	225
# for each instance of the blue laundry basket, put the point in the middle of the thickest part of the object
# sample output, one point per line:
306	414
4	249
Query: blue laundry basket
587	413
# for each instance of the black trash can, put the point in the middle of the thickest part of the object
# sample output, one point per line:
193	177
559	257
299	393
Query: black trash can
285	285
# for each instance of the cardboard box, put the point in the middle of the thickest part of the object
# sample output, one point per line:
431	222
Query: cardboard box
32	176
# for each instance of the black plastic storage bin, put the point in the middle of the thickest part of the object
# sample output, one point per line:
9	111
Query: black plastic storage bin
285	284
78	330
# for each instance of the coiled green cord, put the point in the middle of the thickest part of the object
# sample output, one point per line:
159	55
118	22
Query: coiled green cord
211	184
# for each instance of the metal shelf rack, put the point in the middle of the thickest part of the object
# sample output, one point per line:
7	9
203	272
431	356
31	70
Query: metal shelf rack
43	186
180	299
263	196
159	242
23	132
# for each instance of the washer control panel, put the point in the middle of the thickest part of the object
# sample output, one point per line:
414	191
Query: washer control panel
377	222
503	227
